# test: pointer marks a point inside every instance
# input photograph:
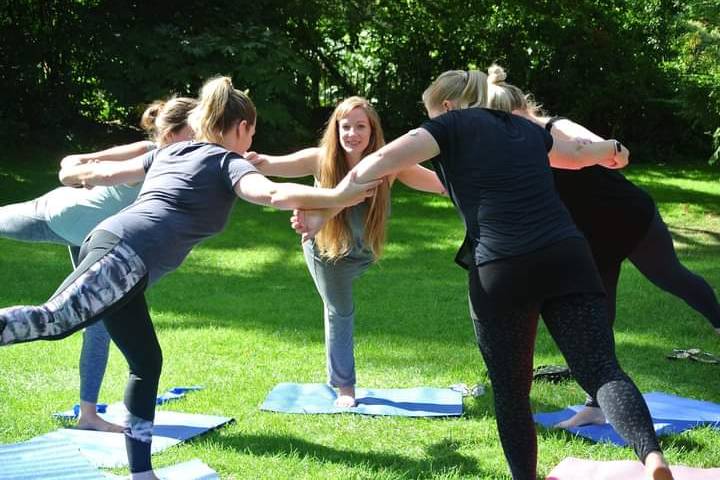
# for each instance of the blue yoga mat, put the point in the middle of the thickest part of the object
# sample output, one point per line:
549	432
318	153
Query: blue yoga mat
105	449
406	402
670	414
45	459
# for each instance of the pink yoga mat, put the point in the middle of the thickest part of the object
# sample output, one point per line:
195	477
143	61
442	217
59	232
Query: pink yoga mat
579	469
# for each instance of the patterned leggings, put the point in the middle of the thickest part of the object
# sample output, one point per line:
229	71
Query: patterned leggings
578	324
109	282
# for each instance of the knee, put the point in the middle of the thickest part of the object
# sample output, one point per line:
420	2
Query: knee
338	311
149	366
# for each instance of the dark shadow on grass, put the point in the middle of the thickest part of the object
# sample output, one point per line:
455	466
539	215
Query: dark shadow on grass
441	458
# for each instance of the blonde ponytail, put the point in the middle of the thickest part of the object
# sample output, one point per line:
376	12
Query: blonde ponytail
220	108
465	88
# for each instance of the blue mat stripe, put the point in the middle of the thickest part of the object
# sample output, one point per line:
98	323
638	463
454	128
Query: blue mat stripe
407	402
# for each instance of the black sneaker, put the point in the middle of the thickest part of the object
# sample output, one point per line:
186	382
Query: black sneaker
552	373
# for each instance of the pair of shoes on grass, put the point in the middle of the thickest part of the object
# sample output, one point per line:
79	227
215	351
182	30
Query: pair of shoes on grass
693	354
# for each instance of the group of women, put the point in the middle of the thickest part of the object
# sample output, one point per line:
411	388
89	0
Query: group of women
523	250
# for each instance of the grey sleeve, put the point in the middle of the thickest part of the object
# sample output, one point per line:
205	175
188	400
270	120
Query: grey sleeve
234	168
148	159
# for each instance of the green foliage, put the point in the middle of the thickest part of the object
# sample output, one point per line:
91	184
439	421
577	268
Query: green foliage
646	72
696	69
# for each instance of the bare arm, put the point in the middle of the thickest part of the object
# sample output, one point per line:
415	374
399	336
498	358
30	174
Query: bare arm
256	188
299	164
421	178
574	156
402	153
565	129
103	173
114	154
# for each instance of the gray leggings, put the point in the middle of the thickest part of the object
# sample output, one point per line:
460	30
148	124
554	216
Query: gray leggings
334	281
26	222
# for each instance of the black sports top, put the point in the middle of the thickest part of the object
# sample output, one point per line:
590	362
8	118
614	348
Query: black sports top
613	213
495	168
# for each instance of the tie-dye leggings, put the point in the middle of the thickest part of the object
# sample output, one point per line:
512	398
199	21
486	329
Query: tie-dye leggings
108	283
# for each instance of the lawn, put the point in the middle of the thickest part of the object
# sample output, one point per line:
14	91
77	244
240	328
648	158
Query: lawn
242	315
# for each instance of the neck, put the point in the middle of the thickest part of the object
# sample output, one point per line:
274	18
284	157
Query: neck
353	159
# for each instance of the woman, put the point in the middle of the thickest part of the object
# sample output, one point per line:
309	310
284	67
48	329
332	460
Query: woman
187	196
66	215
352	239
602	203
525	258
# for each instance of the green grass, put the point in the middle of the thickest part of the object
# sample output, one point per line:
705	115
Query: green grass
242	315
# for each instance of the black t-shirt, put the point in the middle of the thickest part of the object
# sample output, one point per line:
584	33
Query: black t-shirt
495	168
612	212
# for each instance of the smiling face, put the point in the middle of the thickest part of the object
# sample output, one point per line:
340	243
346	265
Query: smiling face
354	130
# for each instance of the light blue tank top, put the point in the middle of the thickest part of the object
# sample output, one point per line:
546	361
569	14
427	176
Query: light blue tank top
72	213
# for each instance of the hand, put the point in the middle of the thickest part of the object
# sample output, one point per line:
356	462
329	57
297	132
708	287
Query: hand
74	160
254	158
619	160
350	192
308	223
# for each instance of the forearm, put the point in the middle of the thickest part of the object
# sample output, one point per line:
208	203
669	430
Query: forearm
597	153
113	154
256	188
102	173
574	156
288	196
572	130
402	153
299	164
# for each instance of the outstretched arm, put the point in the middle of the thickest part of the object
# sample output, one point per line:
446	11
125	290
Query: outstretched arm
402	153
299	164
256	188
113	154
574	156
94	173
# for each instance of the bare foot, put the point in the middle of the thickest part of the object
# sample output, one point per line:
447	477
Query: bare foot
90	420
98	424
346	397
586	416
656	467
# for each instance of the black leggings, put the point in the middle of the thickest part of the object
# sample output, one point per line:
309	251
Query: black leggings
654	256
578	324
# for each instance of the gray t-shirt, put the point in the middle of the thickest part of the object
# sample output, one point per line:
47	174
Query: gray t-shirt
187	197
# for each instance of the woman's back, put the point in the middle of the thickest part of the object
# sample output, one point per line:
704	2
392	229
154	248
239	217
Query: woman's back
496	169
187	196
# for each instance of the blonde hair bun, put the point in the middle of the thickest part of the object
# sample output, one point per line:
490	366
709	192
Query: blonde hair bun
496	74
